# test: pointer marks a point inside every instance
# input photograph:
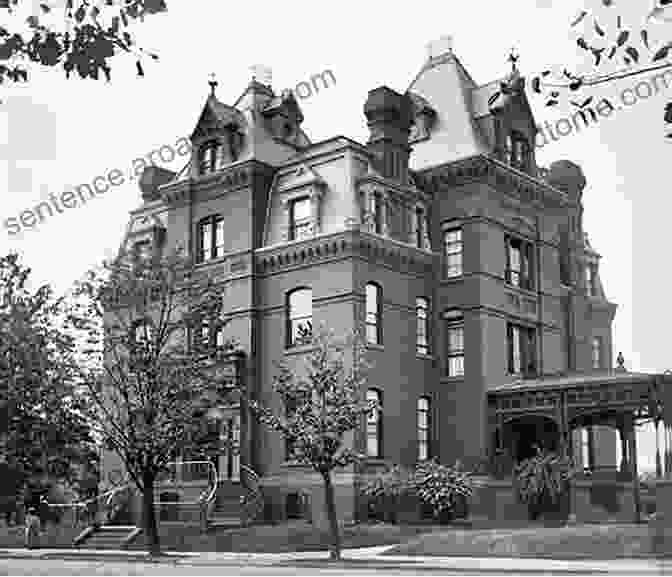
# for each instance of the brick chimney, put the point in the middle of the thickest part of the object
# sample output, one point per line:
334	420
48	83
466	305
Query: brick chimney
389	116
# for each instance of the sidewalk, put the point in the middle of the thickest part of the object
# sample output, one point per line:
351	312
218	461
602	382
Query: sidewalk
370	556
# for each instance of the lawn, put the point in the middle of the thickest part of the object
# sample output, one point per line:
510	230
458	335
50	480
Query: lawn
54	537
579	542
281	538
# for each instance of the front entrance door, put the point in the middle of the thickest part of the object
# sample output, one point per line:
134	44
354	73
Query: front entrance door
228	462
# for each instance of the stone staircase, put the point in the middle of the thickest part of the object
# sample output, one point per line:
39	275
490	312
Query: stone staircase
107	537
226	513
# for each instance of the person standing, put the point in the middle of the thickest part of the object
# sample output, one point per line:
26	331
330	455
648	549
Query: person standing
32	529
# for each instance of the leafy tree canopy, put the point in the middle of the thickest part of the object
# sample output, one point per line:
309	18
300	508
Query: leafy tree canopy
42	430
148	330
75	35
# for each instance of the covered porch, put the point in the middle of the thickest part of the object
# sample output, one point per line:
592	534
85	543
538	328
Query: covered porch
552	411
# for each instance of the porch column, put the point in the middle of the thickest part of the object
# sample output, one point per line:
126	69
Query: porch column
624	449
632	450
659	466
668	444
668	453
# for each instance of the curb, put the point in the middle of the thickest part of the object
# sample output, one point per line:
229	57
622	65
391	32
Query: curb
369	558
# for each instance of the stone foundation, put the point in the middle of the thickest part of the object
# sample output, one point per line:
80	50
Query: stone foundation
296	492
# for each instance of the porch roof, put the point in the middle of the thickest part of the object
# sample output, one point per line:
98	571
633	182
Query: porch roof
571	380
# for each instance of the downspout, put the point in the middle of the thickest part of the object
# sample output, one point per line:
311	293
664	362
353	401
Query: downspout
540	315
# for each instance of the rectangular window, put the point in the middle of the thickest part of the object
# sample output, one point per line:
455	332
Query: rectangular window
422	319
374	424
300	219
519	263
142	250
219	237
590	281
454	323
376	212
452	253
423	428
374	333
522	350
205	241
419	228
597	352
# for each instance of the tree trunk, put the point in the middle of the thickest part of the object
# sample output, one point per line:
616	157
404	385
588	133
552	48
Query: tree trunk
335	551
149	515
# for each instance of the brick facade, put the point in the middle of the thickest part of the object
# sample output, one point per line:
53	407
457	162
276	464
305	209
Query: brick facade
437	149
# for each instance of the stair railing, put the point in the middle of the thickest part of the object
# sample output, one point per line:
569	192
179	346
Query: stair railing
252	502
90	509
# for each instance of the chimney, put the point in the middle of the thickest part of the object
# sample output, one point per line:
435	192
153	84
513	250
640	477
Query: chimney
439	48
389	116
568	177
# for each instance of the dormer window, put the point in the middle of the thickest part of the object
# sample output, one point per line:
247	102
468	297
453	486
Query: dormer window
207	160
235	143
142	249
517	151
300	218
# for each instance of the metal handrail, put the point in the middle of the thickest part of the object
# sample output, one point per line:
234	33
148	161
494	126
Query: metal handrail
114	490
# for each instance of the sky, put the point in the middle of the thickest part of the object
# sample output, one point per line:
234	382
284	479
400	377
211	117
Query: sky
57	133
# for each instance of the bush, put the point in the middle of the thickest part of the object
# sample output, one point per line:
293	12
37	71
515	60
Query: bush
442	491
446	490
543	481
384	492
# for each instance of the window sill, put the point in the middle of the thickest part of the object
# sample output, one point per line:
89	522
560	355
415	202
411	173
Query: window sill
452	279
294	464
375	346
455	379
375	461
299	349
217	260
423	357
521	290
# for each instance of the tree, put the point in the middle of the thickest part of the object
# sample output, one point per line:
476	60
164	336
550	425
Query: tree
146	384
320	406
76	35
42	432
608	47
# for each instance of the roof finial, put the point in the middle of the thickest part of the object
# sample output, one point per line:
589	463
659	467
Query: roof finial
513	58
621	362
213	83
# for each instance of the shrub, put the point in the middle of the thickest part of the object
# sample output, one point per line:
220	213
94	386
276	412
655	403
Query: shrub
384	491
441	490
446	490
542	481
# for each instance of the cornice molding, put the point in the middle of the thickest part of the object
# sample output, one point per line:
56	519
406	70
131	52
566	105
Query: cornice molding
501	177
230	178
353	243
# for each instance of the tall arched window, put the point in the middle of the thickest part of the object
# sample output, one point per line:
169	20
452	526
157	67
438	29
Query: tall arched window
423	428
422	329
374	310
299	327
374	424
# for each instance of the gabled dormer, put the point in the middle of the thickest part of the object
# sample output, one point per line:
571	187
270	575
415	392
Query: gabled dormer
221	137
504	115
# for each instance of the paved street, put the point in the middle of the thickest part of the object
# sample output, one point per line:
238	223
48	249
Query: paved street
362	562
